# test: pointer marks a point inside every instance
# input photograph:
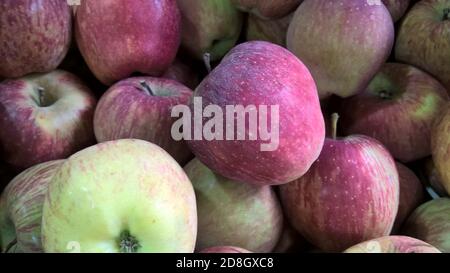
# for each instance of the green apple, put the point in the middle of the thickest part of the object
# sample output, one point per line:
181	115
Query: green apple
122	196
233	213
209	26
21	208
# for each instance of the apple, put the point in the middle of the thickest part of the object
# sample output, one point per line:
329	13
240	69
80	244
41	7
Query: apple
397	8
398	108
343	43
224	249
273	31
349	195
234	213
267	9
412	195
434	179
44	117
182	73
423	39
431	223
140	108
209	26
119	38
441	147
393	244
262	76
120	196
21	208
35	36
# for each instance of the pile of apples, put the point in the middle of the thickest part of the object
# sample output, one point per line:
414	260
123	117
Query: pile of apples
88	158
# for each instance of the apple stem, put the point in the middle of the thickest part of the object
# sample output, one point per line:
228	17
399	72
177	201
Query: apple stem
334	122
128	243
41	95
447	14
207	61
146	88
10	245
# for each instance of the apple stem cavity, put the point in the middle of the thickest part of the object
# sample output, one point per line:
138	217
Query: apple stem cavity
386	95
41	96
128	243
334	123
146	88
207	62
447	14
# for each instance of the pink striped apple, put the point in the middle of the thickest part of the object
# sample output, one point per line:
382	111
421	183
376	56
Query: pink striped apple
398	108
35	36
140	108
44	117
21	208
343	43
350	194
119	38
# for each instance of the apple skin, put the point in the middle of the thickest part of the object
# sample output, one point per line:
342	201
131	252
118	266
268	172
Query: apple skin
224	249
398	108
393	244
260	73
182	73
209	26
273	31
33	133
397	8
440	143
434	178
21	208
423	39
127	111
119	38
431	223
35	36
290	241
343	43
350	194
412	195
234	213
267	9
117	187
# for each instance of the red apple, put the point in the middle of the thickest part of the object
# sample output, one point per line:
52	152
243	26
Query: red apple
423	39
431	223
393	244
350	194
234	213
343	43
182	73
273	31
440	142
44	117
35	36
397	8
119	38
224	249
412	195
257	75
140	108
397	108
21	208
290	241
267	9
